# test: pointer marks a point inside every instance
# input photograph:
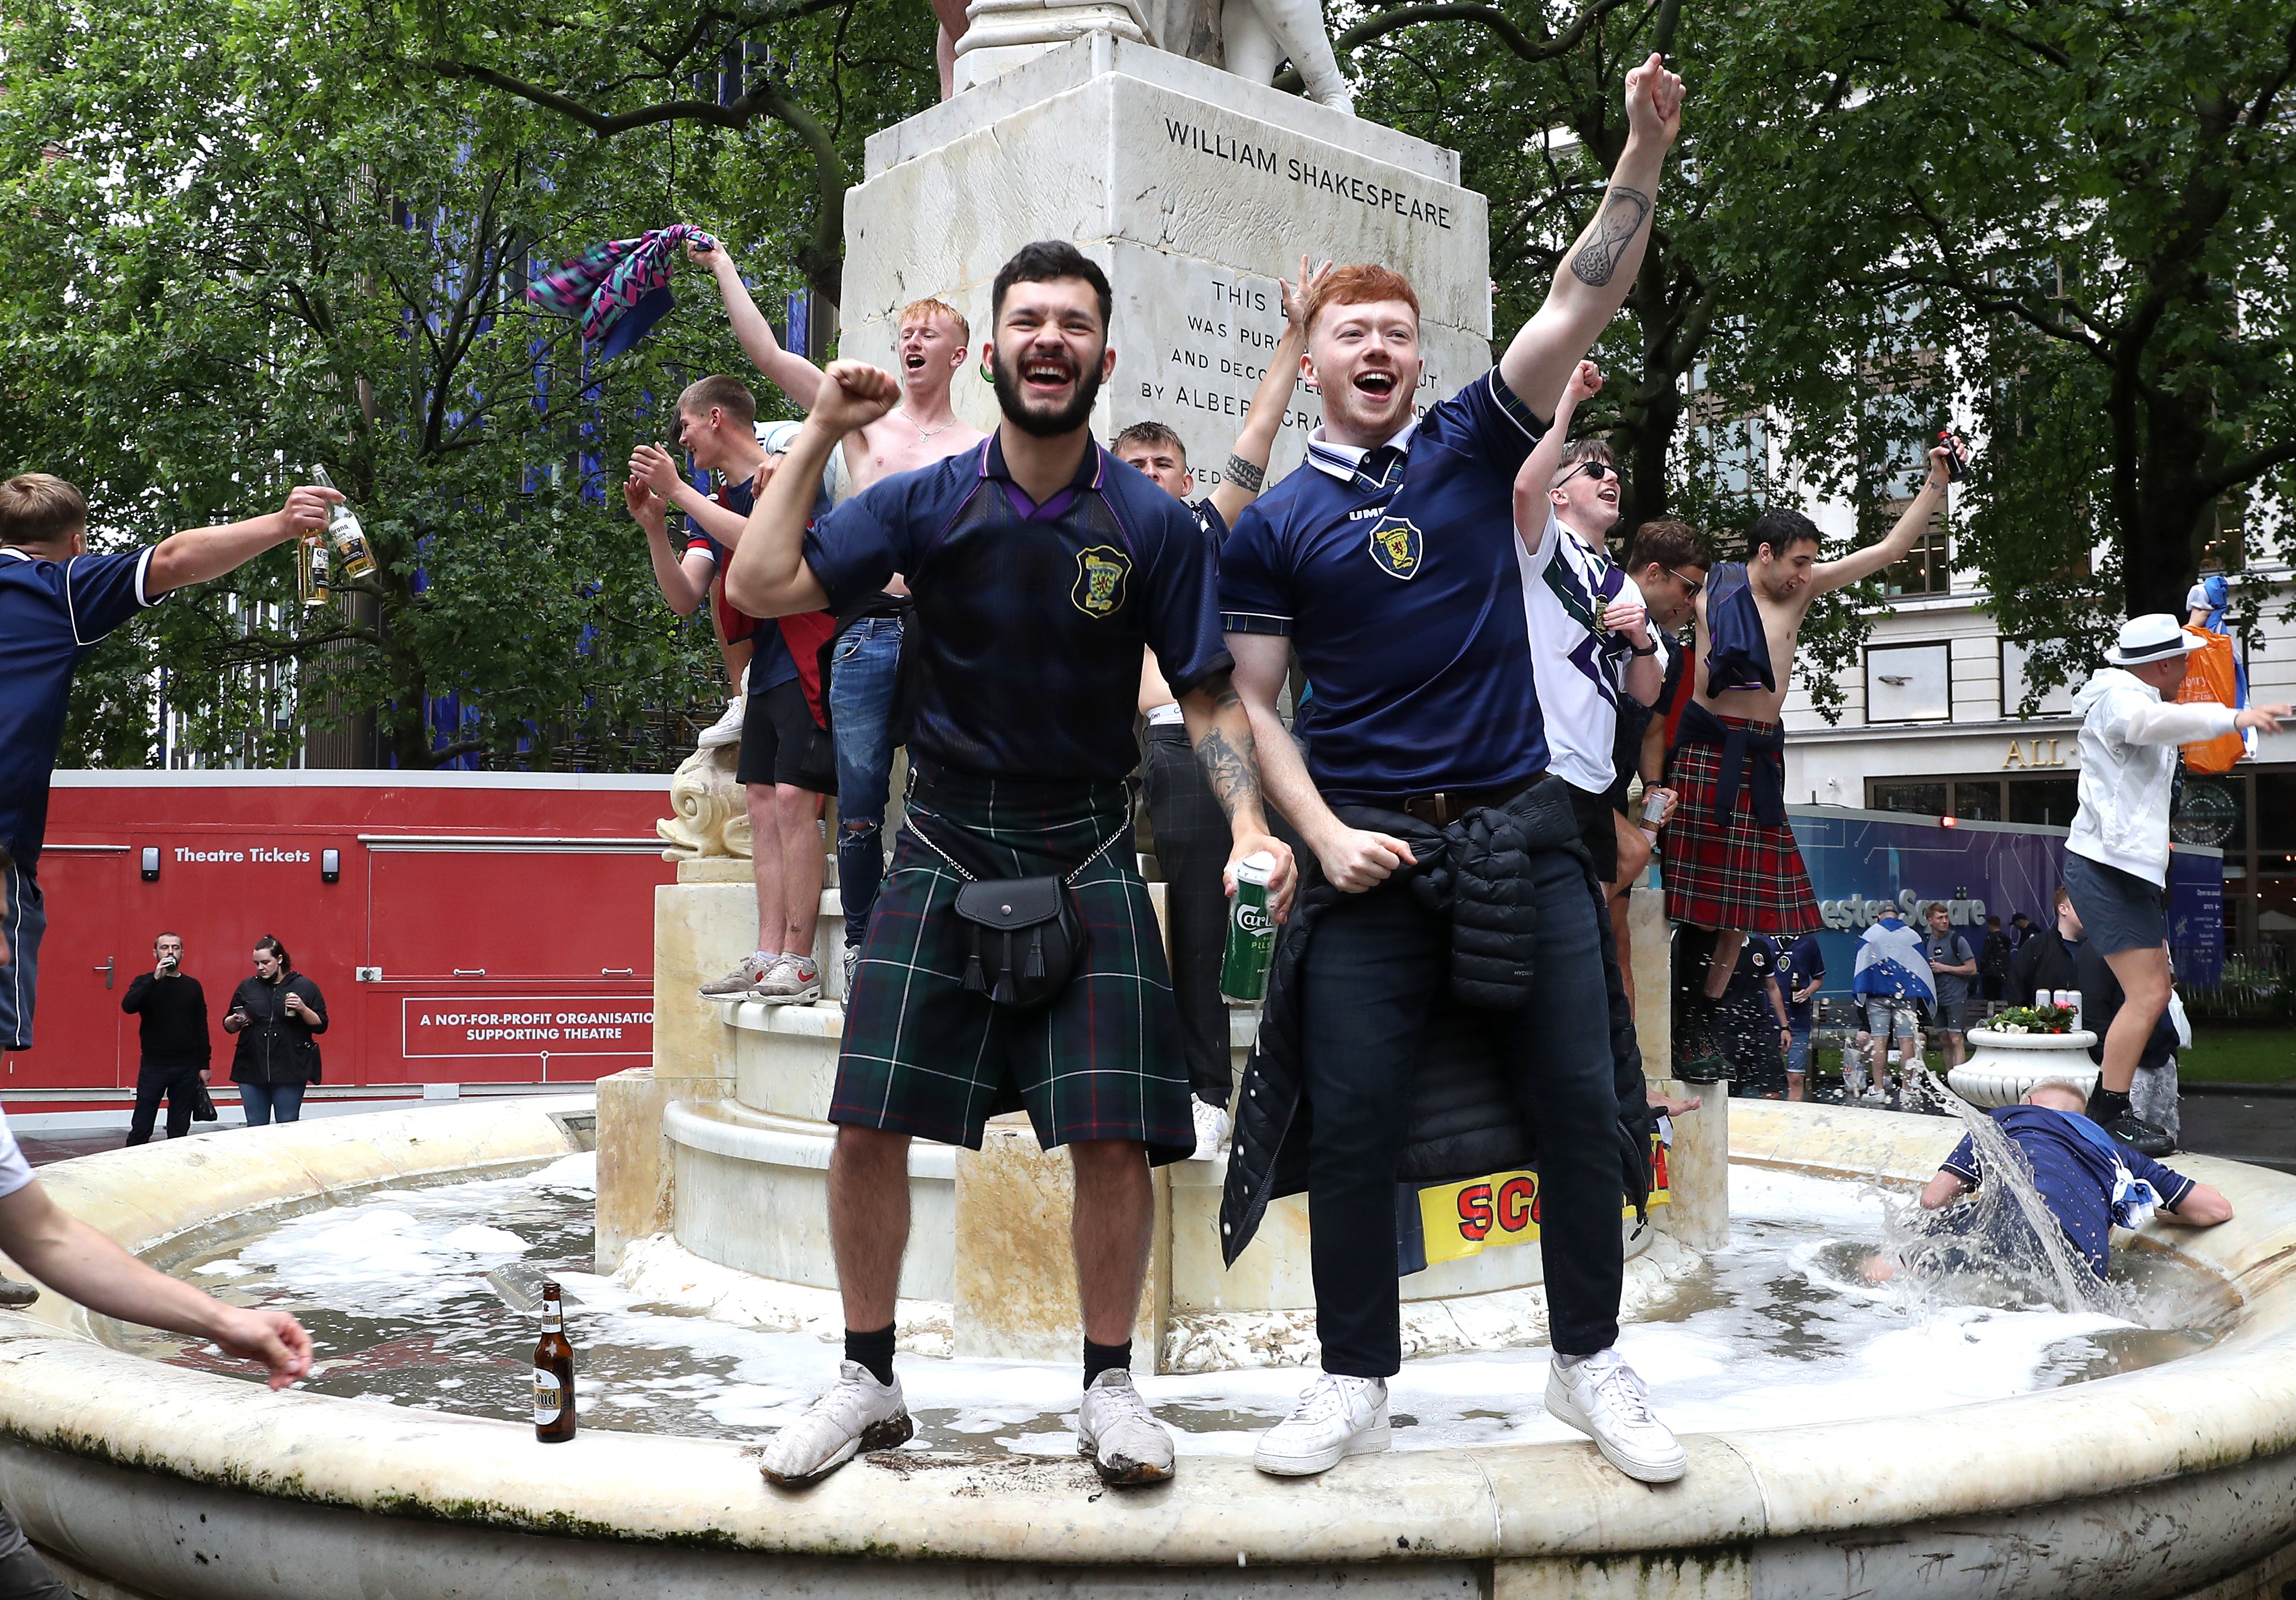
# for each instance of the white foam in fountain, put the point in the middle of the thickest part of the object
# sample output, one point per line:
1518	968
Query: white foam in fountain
1775	1330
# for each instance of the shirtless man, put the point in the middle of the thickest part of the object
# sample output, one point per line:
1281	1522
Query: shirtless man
1731	861
865	656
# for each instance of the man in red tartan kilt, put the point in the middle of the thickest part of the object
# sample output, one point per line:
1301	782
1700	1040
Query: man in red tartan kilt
1732	865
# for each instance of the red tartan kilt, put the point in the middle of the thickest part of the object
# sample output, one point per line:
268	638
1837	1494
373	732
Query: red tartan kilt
1741	875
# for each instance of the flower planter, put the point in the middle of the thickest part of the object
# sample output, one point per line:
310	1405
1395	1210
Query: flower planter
2002	1067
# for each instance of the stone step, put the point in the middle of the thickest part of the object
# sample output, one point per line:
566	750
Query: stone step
784	1057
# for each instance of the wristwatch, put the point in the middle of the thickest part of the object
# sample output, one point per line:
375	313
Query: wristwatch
1631	649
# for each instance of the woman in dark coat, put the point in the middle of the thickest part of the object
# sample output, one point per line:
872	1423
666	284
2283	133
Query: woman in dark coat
278	1015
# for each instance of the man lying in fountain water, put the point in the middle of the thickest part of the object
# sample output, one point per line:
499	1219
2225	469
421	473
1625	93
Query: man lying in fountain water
1041	566
2090	1183
1388	561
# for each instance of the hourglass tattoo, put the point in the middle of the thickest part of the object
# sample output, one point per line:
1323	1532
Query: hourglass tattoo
1624	211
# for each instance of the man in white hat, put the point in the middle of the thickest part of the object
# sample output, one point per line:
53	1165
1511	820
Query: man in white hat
2117	859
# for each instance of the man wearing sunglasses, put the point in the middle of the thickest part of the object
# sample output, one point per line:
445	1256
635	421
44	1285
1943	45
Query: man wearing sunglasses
1589	631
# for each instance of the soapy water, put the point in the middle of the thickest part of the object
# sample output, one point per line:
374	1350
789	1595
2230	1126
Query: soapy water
1777	1328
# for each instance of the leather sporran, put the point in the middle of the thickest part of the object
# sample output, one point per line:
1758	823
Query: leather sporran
1028	939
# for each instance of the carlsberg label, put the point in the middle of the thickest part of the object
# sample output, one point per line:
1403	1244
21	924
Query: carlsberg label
1251	933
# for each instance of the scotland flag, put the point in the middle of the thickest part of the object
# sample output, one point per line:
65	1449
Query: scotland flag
1891	963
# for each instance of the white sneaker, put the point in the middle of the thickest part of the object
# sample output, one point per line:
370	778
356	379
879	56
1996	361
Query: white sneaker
859	1413
1602	1398
737	984
1213	1125
786	983
1337	1415
727	729
1127	1444
852	964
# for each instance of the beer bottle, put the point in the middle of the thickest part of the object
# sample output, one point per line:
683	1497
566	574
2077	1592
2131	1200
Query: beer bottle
311	579
344	532
553	1372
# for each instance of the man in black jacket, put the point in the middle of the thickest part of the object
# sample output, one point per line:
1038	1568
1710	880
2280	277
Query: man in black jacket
173	1010
2044	961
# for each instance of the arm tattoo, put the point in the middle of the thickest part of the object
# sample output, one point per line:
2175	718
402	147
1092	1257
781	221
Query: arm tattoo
1245	475
1624	211
1229	769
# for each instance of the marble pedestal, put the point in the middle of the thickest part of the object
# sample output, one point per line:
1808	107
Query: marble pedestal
1194	190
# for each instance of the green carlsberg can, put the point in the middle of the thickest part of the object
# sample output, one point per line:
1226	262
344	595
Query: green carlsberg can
1251	933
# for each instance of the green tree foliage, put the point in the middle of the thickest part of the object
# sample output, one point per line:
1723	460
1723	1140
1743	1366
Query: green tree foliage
247	237
2076	216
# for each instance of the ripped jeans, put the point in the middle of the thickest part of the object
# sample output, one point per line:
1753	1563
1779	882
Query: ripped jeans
864	672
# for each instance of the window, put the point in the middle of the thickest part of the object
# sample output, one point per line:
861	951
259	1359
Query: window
2014	682
2049	802
1927	568
1908	682
1922	800
1734	456
1978	801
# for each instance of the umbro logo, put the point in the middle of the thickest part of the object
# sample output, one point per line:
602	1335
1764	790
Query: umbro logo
1368	510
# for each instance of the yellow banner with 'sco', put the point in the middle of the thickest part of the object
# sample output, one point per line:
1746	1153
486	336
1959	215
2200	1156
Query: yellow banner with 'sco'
1487	1213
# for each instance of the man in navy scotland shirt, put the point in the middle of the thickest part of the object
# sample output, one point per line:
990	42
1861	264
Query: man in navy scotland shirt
1041	567
57	602
1387	561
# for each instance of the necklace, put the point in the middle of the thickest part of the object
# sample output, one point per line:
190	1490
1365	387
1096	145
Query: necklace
924	433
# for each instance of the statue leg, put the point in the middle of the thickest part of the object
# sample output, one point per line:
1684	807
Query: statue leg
1253	53
1297	28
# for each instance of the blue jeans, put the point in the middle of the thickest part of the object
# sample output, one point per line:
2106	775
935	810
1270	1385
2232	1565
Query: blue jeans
1376	967
272	1103
864	671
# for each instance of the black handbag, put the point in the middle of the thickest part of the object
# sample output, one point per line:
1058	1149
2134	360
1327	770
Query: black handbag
1028	937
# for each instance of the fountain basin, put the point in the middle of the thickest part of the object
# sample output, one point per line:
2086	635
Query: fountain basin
2002	1068
175	1482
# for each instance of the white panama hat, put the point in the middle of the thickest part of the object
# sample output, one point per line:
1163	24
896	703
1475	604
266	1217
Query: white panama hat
2151	637
777	437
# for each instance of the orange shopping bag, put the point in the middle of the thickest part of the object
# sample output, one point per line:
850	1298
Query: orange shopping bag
2212	678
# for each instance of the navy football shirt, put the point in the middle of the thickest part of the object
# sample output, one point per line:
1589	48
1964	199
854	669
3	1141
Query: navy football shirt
2064	1172
52	614
1400	589
1022	657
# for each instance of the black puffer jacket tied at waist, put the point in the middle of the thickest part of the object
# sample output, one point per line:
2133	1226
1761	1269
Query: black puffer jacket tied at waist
1466	1123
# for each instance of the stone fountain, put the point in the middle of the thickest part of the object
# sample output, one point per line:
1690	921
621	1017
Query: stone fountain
1195	189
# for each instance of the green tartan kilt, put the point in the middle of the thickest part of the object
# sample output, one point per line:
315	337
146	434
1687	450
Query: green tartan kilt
922	1055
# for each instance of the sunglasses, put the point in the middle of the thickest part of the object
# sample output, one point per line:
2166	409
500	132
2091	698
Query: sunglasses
1690	586
1596	470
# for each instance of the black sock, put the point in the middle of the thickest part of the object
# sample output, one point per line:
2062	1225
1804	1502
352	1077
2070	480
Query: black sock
873	1350
1099	1358
2104	1106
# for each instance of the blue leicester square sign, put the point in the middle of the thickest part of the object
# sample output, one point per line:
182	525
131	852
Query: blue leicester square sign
1862	863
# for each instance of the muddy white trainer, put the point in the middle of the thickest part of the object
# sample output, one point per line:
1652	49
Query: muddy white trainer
1114	1427
859	1413
737	984
1336	1416
786	983
1603	1399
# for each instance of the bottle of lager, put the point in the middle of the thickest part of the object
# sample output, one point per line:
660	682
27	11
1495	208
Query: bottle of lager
553	1372
311	577
343	530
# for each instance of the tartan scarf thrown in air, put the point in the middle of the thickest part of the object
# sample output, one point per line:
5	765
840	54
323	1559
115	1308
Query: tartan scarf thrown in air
618	288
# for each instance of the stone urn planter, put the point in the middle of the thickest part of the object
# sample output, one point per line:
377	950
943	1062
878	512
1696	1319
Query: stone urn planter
2002	1066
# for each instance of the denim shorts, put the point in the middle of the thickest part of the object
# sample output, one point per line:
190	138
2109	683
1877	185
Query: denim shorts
1885	1016
2119	911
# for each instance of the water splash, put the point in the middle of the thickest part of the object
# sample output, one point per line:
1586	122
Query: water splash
1999	1244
